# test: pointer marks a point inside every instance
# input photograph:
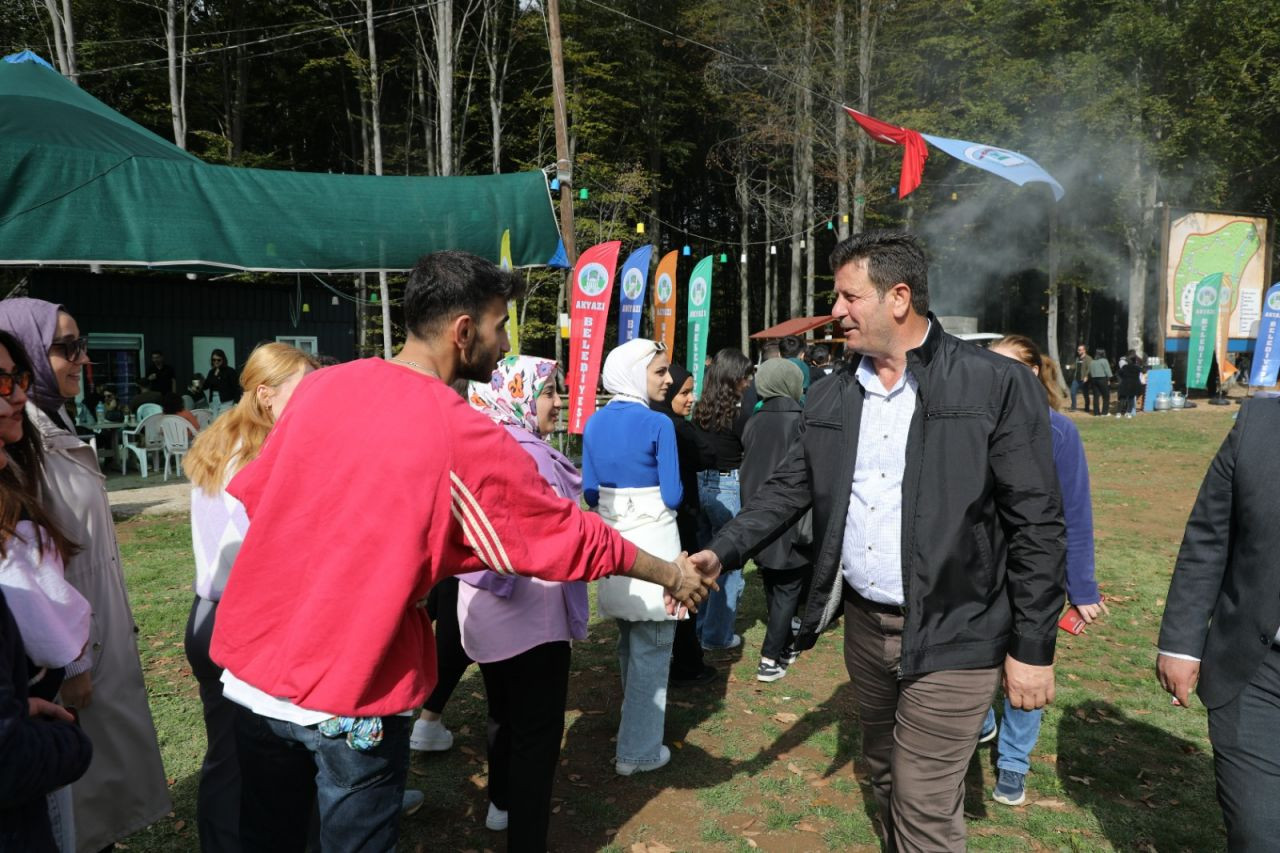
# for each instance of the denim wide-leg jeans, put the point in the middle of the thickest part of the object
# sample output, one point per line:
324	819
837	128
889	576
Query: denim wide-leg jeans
721	497
644	659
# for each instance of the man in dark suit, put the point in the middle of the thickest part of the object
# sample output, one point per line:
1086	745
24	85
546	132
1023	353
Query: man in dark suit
1220	624
937	529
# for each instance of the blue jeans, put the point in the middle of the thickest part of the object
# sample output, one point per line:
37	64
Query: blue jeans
1019	732
721	498
644	659
285	768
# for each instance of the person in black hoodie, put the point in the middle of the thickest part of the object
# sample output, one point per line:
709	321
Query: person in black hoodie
785	565
687	666
43	749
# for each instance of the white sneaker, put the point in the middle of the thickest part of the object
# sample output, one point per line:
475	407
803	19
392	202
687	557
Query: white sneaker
625	768
430	736
496	819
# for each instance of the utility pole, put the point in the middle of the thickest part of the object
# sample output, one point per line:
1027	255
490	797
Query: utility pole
564	168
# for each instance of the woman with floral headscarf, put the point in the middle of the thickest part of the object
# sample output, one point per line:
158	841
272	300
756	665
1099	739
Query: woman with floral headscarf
631	475
518	629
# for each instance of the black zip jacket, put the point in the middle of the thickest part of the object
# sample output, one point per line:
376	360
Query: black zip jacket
983	542
764	444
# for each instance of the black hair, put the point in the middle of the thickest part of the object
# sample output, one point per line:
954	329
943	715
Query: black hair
172	403
220	354
1100	354
892	257
721	398
443	285
819	354
157	352
770	347
790	346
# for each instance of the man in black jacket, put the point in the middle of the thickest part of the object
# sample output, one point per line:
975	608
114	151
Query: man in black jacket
1220	624
937	527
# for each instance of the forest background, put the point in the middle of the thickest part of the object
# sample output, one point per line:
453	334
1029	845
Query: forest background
716	124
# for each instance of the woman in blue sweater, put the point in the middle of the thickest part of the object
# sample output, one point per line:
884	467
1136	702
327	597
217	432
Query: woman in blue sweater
1021	729
631	476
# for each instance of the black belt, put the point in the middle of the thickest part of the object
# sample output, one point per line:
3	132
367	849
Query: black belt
851	595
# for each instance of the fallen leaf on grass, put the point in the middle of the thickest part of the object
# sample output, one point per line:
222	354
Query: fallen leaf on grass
1141	712
751	842
179	825
575	777
466	750
794	769
786	717
806	827
1083	780
610	833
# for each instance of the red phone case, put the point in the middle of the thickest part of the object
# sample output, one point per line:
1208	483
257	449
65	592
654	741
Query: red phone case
1072	622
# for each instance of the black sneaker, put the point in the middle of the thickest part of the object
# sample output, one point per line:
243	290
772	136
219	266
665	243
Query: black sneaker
789	656
770	671
707	675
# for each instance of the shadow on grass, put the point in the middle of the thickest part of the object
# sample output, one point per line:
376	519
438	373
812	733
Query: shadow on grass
1147	788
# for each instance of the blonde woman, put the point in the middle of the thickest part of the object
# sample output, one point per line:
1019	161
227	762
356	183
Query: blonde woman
218	526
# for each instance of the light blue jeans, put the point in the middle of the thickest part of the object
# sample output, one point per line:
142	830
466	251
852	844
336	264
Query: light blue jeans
644	659
721	499
1019	731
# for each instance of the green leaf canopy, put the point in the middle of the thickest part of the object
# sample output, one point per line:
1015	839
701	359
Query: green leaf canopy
80	183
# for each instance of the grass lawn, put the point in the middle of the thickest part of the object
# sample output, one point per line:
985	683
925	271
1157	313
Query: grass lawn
776	766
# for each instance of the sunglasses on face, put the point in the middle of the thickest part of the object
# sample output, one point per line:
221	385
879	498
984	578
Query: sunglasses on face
21	379
71	350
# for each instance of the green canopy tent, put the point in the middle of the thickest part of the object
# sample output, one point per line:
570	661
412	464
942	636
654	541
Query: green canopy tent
82	184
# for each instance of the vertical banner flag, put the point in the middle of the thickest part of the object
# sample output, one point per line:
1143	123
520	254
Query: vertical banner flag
664	301
699	319
1226	302
588	309
513	315
635	275
1204	330
1266	350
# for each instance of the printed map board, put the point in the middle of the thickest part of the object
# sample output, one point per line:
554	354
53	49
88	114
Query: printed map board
1202	243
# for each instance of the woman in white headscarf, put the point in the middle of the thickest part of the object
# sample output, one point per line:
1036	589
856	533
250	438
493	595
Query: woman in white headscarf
631	475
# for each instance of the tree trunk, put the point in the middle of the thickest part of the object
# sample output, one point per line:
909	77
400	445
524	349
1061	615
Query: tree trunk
868	23
384	291
840	75
497	60
810	253
803	170
744	235
1138	235
770	265
442	23
177	70
1053	349
64	38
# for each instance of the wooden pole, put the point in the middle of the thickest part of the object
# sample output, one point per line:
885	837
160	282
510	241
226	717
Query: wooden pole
564	167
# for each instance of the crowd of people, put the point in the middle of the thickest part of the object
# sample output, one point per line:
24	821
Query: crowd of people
926	492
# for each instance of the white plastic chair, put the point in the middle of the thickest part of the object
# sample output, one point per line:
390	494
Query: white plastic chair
177	432
188	402
141	441
146	410
203	417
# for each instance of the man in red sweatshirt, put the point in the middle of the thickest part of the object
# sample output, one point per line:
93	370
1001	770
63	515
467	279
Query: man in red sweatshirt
377	482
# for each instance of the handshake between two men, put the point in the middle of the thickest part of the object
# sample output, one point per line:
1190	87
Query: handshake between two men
684	582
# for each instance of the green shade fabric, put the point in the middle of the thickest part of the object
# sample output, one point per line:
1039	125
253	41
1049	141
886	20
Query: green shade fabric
80	183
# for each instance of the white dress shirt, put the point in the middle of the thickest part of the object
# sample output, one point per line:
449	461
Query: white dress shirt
872	553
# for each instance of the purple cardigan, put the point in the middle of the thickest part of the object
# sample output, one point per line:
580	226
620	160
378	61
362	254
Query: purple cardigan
501	616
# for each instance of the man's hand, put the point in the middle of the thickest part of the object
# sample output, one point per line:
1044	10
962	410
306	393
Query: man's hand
1178	676
45	708
688	588
77	691
1027	687
707	564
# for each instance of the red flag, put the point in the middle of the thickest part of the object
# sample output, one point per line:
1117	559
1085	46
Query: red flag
914	151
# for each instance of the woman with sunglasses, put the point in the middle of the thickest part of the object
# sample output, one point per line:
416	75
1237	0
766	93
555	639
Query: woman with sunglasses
124	789
43	752
223	379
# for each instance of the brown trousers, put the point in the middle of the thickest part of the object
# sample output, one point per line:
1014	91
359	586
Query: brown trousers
918	733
